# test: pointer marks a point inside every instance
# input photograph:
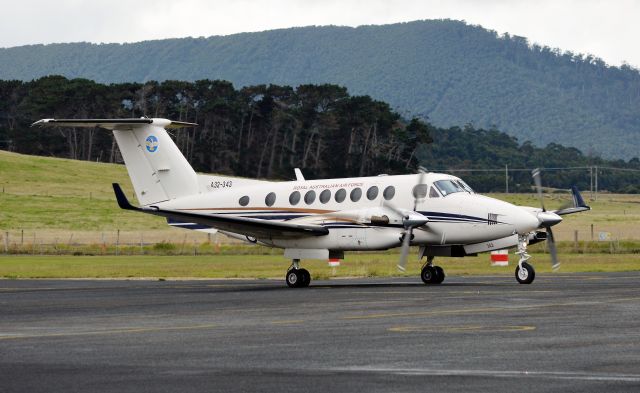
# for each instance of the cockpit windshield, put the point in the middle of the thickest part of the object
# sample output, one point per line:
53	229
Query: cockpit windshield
447	187
464	185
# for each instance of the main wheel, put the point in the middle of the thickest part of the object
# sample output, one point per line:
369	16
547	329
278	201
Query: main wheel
293	278
306	277
428	275
526	274
439	274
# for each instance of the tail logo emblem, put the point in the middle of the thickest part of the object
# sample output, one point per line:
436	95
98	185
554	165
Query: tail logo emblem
152	143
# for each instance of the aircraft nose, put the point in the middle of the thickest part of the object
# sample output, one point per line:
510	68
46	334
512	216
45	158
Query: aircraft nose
548	219
526	222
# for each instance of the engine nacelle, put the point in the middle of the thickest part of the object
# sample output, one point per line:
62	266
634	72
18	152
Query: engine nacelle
537	237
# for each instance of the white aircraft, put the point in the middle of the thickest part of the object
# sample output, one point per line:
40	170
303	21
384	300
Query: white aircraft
321	219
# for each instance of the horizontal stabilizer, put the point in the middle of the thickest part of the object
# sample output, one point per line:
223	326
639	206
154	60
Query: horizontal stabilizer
111	124
123	202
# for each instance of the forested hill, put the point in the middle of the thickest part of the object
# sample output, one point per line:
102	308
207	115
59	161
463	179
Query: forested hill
448	71
266	131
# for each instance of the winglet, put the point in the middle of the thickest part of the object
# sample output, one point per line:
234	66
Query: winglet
577	198
123	202
578	204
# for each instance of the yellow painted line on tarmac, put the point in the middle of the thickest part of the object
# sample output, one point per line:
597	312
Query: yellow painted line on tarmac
460	329
483	310
470	292
288	322
107	332
424	313
624	299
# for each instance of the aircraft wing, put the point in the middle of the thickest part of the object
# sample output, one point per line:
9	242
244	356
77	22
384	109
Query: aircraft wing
244	226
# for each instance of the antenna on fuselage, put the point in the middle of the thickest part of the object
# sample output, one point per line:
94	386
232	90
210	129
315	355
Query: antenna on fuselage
298	173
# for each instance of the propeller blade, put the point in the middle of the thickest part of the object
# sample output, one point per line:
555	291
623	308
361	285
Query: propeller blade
410	221
555	263
404	254
536	178
394	209
416	194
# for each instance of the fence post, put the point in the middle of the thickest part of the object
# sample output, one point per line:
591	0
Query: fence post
506	178
6	242
118	243
596	183
183	241
591	232
575	240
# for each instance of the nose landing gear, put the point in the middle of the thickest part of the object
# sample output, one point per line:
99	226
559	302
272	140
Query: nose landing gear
525	274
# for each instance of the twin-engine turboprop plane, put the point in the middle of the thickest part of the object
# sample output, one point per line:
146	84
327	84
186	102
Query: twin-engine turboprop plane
321	219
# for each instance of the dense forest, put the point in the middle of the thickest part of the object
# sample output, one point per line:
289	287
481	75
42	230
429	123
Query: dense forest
446	72
265	131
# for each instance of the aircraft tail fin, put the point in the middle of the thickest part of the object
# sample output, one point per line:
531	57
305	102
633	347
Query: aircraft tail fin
158	170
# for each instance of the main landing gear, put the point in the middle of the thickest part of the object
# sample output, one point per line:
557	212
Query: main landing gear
431	274
524	272
297	277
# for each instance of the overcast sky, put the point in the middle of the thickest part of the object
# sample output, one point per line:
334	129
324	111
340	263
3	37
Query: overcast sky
607	29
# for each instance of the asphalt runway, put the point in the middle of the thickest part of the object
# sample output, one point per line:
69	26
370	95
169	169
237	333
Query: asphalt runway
565	332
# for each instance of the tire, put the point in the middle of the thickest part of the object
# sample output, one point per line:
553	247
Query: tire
439	274
428	275
527	275
306	277
293	278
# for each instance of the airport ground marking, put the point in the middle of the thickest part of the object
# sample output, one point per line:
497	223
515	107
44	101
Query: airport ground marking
108	332
288	322
460	329
480	310
565	375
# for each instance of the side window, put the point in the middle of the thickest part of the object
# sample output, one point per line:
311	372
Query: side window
372	193
433	193
340	196
309	197
294	198
244	201
325	196
420	191
389	192
270	199
356	194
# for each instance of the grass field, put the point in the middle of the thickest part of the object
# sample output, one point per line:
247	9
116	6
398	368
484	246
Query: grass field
69	206
274	266
52	200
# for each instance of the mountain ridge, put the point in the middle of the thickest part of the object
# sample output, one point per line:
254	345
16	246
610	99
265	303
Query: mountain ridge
447	71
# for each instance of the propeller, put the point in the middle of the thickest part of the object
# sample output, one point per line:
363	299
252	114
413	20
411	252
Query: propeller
547	220
410	220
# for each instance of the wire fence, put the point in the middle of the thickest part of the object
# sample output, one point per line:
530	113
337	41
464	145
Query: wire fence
117	243
596	177
121	243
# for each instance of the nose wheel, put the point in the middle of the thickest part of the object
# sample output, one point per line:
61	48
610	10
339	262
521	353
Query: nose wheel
525	273
297	277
